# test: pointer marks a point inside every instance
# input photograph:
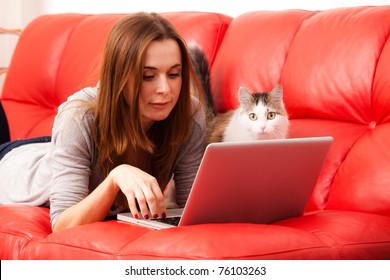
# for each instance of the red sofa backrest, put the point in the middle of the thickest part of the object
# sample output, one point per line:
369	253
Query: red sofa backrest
58	55
334	67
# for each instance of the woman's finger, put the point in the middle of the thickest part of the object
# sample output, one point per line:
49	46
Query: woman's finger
159	201
152	195
132	205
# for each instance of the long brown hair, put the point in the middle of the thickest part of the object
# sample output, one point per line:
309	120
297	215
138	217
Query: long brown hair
123	58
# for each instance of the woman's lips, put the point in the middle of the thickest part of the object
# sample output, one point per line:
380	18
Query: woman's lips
159	105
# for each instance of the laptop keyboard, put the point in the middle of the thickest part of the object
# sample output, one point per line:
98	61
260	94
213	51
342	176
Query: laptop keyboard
171	220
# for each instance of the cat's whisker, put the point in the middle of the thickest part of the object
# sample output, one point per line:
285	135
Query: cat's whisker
275	135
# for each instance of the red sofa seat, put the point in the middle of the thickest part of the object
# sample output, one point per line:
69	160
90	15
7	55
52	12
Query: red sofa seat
334	67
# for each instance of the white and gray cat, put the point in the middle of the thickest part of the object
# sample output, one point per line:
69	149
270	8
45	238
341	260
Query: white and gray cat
259	116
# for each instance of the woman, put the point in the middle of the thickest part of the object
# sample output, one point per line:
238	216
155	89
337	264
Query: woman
116	146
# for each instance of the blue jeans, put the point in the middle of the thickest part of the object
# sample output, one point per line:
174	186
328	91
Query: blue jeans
6	147
4	130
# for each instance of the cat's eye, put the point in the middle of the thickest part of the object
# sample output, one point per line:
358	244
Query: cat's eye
252	116
271	115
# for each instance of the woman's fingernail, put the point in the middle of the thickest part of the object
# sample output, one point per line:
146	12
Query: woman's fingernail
163	215
146	216
155	216
136	216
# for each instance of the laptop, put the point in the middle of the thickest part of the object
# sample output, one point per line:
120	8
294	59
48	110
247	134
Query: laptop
249	182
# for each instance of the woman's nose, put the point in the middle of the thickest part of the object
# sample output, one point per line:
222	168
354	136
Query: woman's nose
163	85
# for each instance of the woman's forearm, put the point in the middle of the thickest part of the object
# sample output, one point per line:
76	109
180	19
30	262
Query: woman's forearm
92	208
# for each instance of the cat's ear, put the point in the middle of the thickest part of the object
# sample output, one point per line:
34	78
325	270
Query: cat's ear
277	93
245	98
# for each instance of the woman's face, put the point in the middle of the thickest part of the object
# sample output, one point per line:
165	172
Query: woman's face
162	80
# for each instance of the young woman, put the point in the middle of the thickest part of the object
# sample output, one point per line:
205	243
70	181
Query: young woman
116	146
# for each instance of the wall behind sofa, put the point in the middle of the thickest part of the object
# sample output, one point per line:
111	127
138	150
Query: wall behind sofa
18	13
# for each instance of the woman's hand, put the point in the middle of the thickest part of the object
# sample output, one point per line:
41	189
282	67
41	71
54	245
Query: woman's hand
139	186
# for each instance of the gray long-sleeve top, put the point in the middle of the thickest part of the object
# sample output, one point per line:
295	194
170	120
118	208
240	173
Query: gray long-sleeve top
63	172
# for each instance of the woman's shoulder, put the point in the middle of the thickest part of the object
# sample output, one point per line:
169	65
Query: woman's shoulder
76	111
80	101
81	97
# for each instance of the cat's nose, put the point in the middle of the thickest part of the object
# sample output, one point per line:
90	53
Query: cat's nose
262	128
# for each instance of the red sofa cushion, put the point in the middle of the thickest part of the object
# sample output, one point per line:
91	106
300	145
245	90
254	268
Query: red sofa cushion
26	234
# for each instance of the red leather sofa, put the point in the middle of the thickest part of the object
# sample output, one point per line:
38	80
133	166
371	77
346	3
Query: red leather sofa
334	66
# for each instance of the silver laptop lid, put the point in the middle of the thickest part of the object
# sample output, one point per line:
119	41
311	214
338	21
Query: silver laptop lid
255	182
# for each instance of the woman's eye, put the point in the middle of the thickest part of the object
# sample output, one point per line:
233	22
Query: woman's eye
252	116
174	75
271	115
148	77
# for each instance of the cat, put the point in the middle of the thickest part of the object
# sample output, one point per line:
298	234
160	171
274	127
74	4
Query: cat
260	116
